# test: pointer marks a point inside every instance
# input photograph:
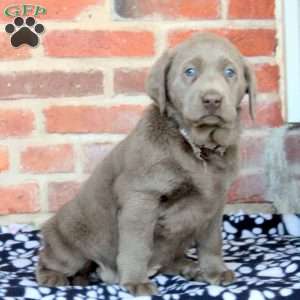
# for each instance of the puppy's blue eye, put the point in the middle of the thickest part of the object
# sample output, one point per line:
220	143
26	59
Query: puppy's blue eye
191	72
229	72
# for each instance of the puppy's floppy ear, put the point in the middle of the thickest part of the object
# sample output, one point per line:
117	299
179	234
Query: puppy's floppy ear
156	84
250	88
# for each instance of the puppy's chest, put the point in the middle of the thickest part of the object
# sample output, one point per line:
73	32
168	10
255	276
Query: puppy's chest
179	211
197	185
171	197
186	208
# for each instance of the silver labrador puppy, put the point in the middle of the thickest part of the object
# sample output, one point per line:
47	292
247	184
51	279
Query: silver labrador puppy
164	186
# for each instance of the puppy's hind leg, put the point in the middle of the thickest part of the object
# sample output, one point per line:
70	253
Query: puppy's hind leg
58	263
53	270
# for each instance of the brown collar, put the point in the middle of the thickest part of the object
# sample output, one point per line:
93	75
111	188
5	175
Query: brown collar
202	152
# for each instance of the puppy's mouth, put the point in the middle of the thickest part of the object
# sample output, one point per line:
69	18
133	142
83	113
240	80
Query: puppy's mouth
210	120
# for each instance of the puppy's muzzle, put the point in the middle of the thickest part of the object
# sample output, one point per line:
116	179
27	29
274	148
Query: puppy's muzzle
212	102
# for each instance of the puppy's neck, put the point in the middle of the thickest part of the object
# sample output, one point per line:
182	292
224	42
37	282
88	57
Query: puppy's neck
206	140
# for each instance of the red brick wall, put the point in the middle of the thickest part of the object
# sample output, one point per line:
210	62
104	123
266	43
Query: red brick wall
67	102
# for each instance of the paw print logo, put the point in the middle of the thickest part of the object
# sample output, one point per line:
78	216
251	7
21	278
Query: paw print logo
24	32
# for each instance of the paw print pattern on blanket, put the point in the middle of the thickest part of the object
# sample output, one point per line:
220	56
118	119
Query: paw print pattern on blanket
266	264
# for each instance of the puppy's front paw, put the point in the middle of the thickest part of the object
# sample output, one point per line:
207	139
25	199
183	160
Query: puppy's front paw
187	268
141	289
51	278
217	278
190	272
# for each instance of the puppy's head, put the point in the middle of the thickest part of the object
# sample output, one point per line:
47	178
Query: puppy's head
204	79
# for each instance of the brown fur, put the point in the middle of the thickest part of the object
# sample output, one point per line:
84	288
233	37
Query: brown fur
151	197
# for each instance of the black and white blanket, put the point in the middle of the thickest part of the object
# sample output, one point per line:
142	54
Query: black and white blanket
263	250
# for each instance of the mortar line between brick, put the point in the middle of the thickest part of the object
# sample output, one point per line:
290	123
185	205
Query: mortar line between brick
161	42
36	108
109	10
76	64
21	178
108	82
14	158
43	184
55	138
224	9
118	100
78	159
29	218
150	25
95	101
82	65
264	207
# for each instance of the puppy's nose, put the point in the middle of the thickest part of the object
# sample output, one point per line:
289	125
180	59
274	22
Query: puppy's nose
212	101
